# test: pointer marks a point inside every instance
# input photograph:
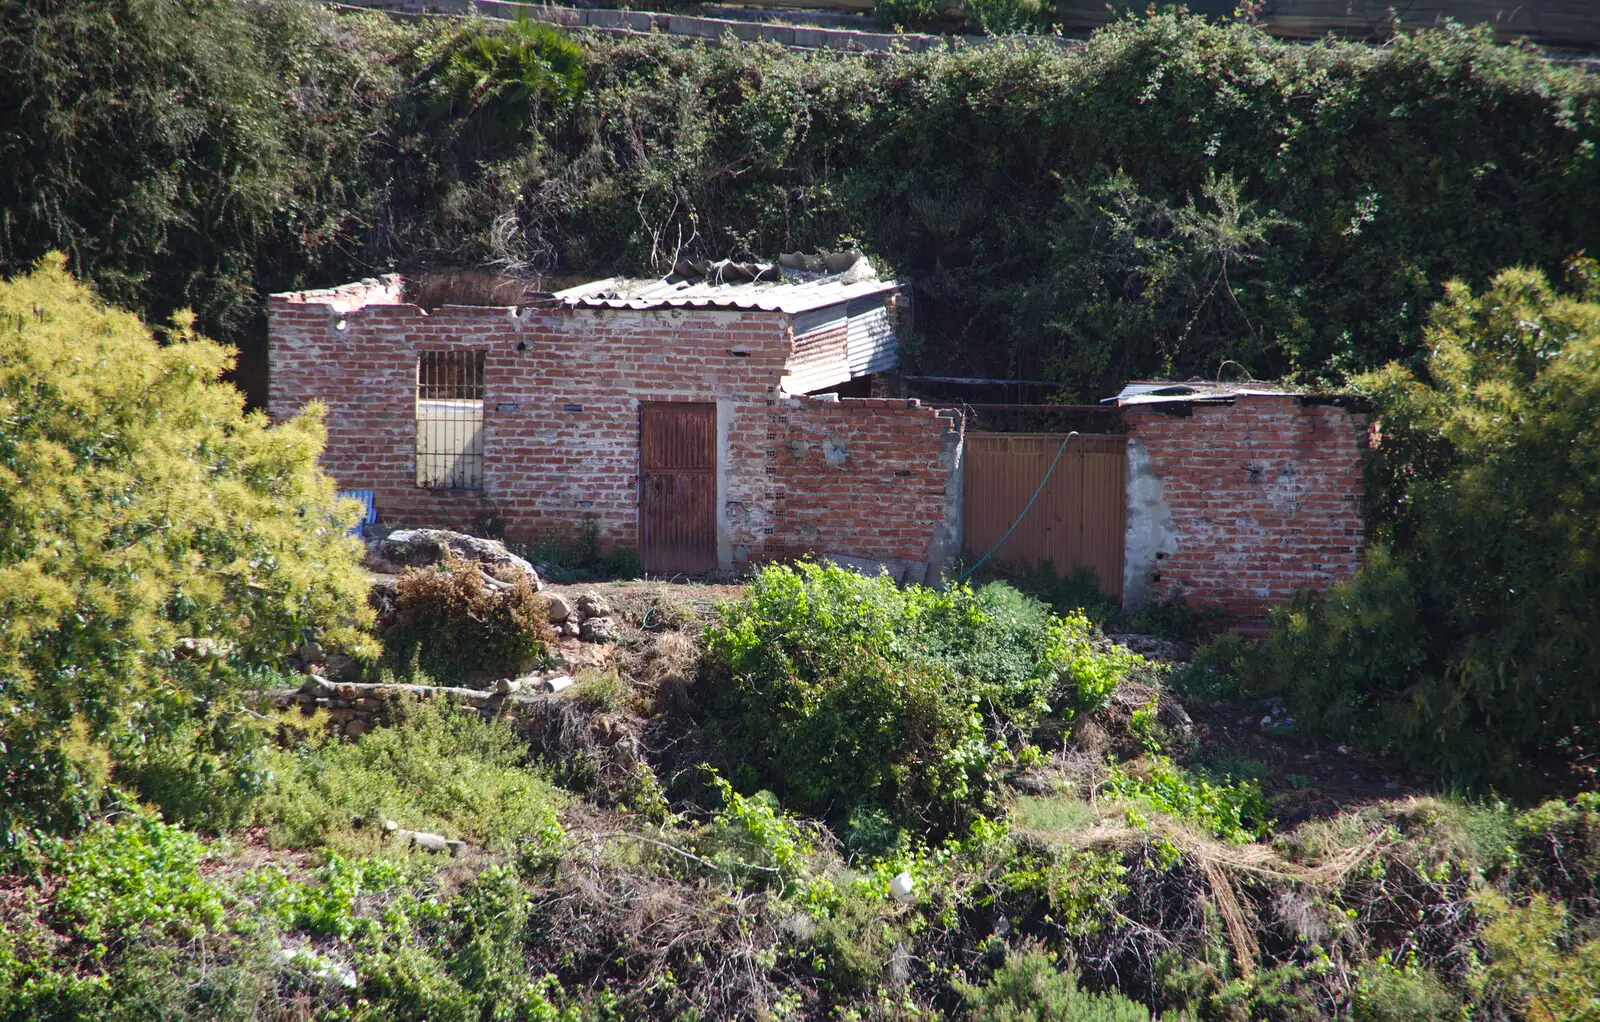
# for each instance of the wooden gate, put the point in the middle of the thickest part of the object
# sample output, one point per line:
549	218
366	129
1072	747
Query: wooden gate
678	487
1078	520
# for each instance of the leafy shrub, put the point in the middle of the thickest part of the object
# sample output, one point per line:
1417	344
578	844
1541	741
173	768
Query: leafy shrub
453	622
1001	17
1233	812
1557	851
580	557
491	84
195	754
440	770
327	906
753	839
1079	888
605	690
1385	992
140	504
1530	968
842	690
1029	988
1465	642
134	875
905	14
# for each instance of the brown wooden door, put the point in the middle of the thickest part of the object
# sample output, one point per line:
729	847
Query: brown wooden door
1078	520
678	488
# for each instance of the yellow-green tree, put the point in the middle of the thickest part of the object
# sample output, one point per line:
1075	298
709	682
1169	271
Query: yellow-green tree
140	505
1468	642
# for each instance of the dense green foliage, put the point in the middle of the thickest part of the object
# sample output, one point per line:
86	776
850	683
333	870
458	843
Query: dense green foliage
123	940
1178	194
843	690
1028	988
1232	812
1467	642
139	506
439	770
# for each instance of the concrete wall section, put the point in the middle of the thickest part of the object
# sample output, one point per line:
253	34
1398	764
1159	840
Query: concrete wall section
1242	504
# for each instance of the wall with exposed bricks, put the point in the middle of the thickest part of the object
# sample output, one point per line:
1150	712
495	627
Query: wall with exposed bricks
878	477
1243	504
561	421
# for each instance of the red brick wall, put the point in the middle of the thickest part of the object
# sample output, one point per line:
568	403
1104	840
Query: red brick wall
1243	505
865	477
548	468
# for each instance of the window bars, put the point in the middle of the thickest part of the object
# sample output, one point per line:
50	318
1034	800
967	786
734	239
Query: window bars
450	420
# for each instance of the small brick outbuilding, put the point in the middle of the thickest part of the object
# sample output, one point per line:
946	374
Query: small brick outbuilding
713	425
668	416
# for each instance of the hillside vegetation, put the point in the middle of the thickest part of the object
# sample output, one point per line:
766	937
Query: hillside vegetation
813	795
1178	194
829	798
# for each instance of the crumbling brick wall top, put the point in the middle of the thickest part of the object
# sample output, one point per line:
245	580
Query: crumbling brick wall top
386	290
866	480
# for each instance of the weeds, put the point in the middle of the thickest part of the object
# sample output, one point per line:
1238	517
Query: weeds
440	770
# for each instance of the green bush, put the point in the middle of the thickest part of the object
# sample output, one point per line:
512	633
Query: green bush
138	875
453	623
753	840
843	690
139	505
485	88
1465	644
1536	966
908	15
1557	852
1385	992
1239	197
1029	988
440	770
1233	812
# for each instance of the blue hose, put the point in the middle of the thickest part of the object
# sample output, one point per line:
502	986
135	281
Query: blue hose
1059	451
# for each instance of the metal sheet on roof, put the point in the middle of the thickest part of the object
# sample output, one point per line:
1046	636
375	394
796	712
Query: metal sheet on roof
1158	392
789	296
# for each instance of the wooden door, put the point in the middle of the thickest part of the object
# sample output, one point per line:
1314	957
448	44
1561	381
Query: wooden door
678	488
1077	522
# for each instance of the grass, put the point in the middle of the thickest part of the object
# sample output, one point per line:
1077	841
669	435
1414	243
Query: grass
606	690
1053	814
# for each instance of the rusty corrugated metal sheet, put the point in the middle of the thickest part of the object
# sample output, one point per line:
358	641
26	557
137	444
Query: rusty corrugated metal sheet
678	487
1078	520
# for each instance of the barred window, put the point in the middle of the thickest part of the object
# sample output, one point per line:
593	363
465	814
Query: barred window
450	420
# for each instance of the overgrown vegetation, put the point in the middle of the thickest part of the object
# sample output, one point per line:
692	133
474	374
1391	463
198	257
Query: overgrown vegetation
1180	193
157	544
1466	643
439	770
842	799
456	618
847	692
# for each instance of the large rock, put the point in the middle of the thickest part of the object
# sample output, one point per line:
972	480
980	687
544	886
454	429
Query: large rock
574	657
416	548
593	605
599	629
561	608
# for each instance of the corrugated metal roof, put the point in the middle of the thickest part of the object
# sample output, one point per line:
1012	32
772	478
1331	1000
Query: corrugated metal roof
1146	392
789	296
